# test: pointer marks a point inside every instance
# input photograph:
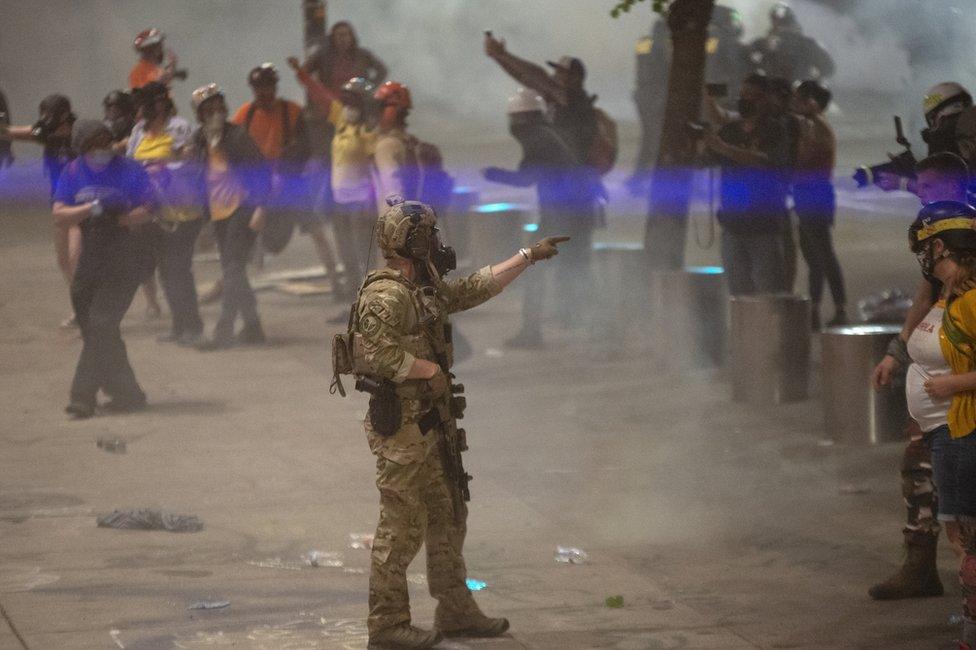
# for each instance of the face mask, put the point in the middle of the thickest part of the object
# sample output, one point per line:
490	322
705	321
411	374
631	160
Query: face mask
942	138
352	114
99	159
213	126
746	107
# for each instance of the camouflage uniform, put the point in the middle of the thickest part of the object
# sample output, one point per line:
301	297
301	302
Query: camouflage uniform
397	321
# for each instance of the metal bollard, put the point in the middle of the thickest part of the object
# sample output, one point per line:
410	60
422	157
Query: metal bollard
688	316
770	345
854	412
495	231
618	269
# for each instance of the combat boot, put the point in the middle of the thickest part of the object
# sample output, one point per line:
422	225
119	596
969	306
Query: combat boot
404	636
467	620
918	577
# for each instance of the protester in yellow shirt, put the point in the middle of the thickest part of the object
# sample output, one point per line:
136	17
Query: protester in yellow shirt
353	147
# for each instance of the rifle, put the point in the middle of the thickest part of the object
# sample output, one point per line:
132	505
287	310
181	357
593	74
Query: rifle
450	408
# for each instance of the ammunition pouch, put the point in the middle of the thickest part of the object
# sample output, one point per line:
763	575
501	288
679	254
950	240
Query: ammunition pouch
384	409
458	404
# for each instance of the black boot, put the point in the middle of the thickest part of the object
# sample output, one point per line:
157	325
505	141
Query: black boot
918	577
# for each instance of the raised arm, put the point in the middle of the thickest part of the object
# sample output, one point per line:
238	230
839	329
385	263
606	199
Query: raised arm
318	93
525	72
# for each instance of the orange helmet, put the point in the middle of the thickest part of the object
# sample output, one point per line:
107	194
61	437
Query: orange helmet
395	94
147	38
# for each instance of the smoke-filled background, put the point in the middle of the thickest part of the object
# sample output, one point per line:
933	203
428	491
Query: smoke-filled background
83	49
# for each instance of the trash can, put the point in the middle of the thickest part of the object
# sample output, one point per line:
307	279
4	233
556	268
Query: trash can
770	348
687	319
495	231
854	412
456	220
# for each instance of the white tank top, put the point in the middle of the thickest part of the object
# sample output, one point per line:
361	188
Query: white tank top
927	361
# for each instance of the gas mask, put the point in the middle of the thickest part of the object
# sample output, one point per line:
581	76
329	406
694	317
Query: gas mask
426	250
942	137
213	127
352	114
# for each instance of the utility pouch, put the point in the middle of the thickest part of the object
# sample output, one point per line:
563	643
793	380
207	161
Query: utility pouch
384	412
458	404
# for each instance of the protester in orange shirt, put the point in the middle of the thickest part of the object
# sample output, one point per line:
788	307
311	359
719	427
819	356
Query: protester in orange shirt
278	127
155	63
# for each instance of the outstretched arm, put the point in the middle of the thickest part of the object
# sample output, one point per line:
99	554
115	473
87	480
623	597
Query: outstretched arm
318	93
525	72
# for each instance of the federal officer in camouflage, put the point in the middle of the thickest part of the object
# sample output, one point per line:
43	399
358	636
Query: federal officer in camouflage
400	349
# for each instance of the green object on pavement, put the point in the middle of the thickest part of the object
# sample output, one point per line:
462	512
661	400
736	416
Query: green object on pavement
615	601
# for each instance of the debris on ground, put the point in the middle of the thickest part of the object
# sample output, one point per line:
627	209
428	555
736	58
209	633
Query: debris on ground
476	585
322	559
111	445
276	563
210	604
571	555
361	541
615	601
150	519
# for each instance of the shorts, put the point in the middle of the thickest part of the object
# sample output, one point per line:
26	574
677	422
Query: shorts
954	471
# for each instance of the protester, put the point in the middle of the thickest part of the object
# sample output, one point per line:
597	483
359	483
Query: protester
278	127
752	152
343	59
941	383
53	132
155	62
567	204
6	154
158	142
120	116
108	197
779	95
814	200
942	177
570	105
353	145
238	184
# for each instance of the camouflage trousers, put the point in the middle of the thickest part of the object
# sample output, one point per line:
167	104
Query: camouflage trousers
416	508
918	489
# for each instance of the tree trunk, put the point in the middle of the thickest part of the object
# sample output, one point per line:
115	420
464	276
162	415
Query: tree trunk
673	176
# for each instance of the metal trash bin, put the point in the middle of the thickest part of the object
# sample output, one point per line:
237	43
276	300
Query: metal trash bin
687	319
770	348
854	412
618	272
495	231
456	230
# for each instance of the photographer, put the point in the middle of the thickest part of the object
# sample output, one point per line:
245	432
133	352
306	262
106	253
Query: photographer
107	197
951	128
752	152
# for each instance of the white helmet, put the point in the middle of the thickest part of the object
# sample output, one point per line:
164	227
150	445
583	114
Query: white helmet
947	98
525	101
203	93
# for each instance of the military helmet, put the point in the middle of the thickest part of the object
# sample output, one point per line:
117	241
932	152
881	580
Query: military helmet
397	230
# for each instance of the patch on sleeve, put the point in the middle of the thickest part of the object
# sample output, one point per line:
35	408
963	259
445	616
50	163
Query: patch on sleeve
369	325
386	308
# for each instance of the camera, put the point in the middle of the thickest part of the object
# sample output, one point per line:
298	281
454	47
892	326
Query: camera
902	165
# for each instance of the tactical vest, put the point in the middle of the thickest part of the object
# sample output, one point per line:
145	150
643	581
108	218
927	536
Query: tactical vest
427	336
